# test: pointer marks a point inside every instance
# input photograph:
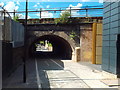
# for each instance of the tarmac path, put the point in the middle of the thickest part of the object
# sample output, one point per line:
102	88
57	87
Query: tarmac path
52	74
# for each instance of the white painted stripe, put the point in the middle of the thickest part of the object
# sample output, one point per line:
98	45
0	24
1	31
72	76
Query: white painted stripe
57	64
47	63
37	74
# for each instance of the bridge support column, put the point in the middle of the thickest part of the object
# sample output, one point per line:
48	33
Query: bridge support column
76	54
73	56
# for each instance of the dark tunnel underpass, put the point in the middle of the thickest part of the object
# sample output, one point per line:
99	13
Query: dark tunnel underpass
61	48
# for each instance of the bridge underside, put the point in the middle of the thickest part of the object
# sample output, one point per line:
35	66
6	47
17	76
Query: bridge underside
61	48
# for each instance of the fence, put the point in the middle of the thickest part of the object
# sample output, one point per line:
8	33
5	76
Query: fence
92	11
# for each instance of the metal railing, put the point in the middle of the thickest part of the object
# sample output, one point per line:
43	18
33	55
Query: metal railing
88	11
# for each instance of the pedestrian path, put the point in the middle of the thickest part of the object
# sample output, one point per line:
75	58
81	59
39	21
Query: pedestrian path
91	74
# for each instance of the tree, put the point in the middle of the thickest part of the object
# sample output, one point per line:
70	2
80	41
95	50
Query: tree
64	18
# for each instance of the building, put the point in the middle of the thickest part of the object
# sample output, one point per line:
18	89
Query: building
111	37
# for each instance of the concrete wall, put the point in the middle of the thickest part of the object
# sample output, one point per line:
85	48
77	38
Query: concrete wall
13	32
111	28
7	64
17	32
12	46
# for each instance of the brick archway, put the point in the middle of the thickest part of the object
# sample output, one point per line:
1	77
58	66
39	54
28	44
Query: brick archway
63	45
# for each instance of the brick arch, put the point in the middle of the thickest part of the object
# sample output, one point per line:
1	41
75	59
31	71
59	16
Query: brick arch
61	35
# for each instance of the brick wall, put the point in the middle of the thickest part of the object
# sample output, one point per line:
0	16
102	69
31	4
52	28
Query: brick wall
86	43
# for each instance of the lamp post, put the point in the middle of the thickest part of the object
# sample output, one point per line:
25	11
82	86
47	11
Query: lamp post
25	44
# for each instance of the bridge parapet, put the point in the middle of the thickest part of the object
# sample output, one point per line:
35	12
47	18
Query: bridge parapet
52	20
52	27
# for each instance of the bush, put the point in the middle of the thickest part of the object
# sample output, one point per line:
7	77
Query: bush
64	18
15	18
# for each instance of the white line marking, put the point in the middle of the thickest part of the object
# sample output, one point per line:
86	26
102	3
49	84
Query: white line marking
57	64
37	74
47	63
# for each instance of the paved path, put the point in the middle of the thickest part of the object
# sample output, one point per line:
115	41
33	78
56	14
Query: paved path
53	75
49	73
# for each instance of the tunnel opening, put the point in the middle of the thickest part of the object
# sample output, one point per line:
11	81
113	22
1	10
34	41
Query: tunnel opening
44	46
51	46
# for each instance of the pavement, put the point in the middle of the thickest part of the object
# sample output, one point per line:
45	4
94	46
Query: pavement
61	74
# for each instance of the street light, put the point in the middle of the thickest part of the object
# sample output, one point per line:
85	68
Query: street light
25	44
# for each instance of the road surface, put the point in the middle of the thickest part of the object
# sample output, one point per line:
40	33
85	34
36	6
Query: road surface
51	73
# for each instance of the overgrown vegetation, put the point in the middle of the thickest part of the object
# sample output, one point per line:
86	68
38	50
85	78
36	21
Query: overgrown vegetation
16	17
41	42
64	18
49	44
72	35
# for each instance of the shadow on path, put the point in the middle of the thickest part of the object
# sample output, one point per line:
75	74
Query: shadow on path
45	65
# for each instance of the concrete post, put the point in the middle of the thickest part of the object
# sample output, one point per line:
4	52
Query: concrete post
73	56
77	54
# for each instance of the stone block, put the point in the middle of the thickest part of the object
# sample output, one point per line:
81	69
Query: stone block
99	40
99	59
77	54
98	50
99	29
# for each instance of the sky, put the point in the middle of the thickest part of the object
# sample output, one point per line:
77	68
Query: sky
19	5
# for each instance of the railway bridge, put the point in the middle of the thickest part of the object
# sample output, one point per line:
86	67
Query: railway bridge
60	36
